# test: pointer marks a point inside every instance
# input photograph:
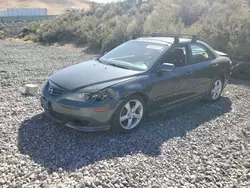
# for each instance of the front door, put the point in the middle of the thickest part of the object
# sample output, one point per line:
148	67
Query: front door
172	87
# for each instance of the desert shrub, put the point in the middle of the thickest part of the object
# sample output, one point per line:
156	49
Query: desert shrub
108	43
224	24
33	27
1	27
64	28
99	12
31	37
2	36
146	8
191	14
228	32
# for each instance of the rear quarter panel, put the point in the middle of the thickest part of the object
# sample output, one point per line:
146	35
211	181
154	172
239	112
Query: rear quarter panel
224	68
224	65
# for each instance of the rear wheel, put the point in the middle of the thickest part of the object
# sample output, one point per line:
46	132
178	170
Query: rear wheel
130	114
216	90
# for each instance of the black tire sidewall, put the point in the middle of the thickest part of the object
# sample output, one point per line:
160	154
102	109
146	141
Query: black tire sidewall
115	122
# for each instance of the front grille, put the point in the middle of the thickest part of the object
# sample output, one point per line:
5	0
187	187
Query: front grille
80	123
55	90
62	117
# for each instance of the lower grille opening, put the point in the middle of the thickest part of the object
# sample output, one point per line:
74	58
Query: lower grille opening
81	123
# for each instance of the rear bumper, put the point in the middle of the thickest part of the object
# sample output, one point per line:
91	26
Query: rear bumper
81	118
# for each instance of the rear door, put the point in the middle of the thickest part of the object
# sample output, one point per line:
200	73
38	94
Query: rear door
203	63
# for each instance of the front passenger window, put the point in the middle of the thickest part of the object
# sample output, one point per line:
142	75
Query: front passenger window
177	56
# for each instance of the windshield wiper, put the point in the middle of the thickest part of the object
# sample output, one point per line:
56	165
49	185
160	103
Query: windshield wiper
98	59
120	66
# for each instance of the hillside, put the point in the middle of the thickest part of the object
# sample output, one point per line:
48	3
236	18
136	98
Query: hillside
57	6
53	6
224	24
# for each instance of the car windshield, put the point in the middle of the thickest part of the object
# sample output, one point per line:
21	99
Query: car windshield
134	55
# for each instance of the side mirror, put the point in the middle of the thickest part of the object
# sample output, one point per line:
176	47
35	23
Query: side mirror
167	67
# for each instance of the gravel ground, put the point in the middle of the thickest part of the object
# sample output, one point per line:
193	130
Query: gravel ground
201	145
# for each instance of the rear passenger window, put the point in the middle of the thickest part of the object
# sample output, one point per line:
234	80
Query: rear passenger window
200	53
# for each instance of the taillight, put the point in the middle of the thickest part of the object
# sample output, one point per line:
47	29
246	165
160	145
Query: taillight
231	64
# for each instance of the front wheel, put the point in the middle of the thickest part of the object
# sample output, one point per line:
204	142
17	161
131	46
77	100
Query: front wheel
216	90
129	114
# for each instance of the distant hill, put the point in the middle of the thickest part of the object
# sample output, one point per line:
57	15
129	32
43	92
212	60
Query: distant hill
53	6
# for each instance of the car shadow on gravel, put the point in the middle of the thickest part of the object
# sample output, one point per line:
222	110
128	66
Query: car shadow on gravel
57	147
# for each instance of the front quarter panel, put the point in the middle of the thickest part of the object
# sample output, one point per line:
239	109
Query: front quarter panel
141	84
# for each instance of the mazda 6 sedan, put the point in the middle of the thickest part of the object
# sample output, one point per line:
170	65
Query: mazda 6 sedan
143	76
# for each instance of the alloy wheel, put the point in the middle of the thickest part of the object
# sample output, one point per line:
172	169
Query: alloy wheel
131	114
216	91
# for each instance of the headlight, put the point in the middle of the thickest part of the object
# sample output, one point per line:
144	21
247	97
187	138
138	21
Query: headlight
99	96
79	96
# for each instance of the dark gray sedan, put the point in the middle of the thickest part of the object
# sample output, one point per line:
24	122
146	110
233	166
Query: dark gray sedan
117	91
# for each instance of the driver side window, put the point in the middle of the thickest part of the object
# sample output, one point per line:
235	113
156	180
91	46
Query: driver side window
177	56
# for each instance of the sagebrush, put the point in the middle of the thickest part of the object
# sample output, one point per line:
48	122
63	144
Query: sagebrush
224	24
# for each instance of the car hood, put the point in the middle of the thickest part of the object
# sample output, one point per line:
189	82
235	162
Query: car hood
89	74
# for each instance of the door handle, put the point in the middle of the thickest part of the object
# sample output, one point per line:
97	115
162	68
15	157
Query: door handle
188	73
215	65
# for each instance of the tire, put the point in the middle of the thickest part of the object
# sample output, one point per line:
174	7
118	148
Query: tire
215	90
131	120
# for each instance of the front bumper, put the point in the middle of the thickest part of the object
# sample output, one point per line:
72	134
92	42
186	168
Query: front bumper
81	117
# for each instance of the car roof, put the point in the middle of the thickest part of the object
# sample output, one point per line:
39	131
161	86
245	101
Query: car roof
162	40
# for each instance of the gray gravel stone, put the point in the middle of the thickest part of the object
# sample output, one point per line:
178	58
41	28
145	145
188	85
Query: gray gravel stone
201	145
